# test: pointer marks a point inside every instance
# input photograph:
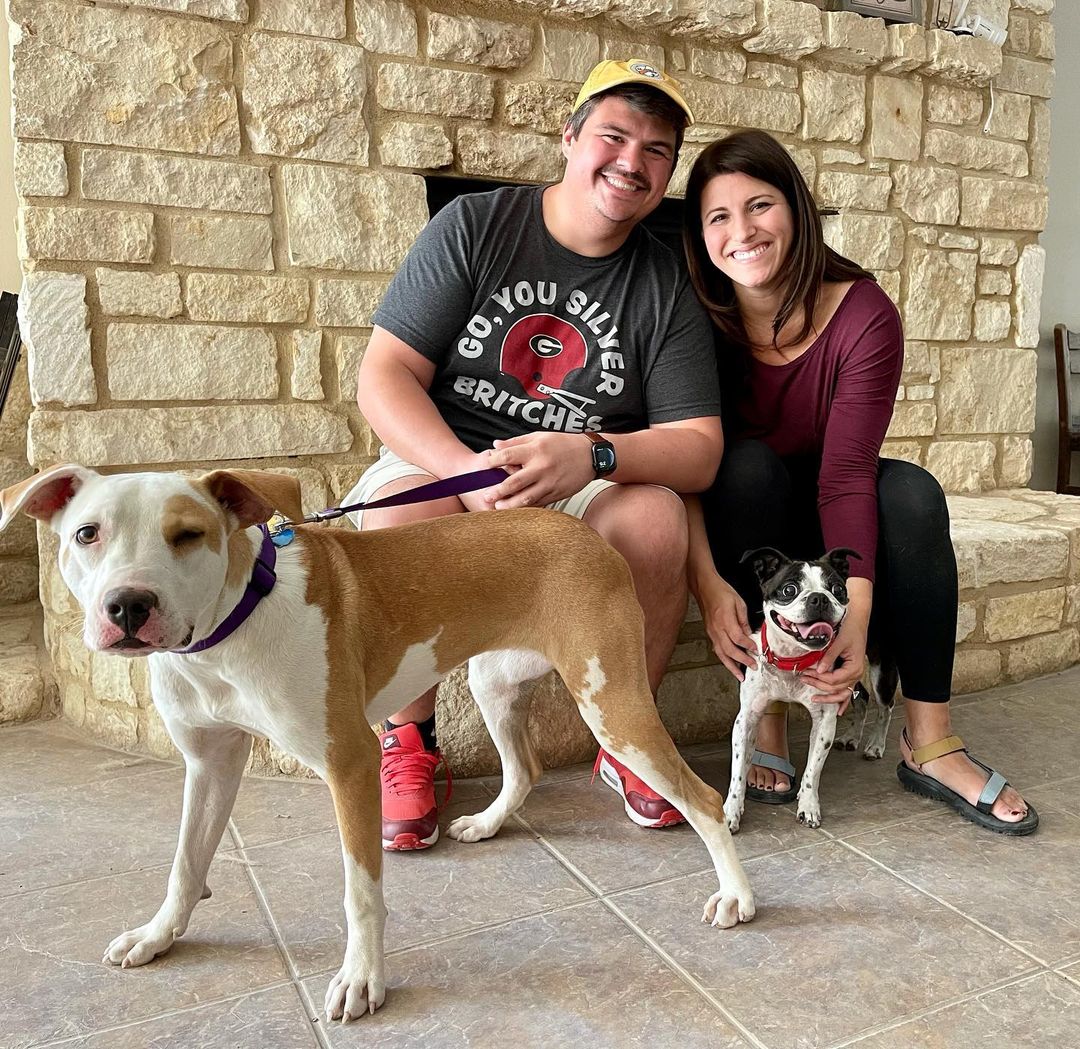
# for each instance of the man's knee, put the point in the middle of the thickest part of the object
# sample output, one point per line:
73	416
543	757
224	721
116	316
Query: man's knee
646	524
398	515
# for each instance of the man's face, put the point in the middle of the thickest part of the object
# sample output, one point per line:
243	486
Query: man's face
621	162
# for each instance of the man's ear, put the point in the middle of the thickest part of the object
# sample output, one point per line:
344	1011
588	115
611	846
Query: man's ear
838	560
252	496
765	562
43	495
567	138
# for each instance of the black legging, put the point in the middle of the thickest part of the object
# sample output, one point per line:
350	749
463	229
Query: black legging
760	499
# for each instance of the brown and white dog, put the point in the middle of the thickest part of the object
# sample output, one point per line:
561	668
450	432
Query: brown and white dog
357	625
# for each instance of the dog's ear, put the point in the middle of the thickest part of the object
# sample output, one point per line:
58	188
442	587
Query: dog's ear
838	560
253	495
44	494
765	562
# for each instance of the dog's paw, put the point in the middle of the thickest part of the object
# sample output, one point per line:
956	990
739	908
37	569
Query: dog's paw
809	812
726	909
874	750
472	828
138	946
353	992
846	738
733	817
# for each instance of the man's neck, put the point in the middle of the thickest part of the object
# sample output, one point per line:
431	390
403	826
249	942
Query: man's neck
588	234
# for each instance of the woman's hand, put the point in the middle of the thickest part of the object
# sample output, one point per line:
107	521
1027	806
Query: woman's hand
849	651
724	613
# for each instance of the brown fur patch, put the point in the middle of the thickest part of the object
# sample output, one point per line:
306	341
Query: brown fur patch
184	515
241	560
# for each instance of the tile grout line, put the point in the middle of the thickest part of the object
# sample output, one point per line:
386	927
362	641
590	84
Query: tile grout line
684	974
320	1035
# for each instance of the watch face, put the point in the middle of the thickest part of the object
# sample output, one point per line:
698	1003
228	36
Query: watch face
603	457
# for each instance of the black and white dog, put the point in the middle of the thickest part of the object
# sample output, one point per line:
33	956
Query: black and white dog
804	604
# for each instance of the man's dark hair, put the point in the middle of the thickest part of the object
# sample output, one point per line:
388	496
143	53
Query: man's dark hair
645	100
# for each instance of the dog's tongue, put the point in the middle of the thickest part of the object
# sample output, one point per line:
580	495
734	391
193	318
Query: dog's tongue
807	630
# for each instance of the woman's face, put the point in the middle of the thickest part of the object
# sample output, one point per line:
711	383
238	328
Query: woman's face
747	227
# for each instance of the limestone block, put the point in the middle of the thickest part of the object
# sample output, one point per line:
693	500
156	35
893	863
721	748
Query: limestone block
1029	282
23	691
840	155
129	436
19	538
311	18
896	117
962	466
348	354
739	106
1042	655
1011	553
1021	615
219	242
307	382
873	241
1019	38
176	182
975	669
305	98
228	10
477	41
941	289
1014	467
909	451
190	362
1011	117
110	680
259	300
949	104
846	189
680	176
40	169
1039	144
994	282
55	325
1039	7
905	48
966	59
342	219
789	28
1042	40
417	146
135	293
913	419
347	303
889	282
568	54
998	251
121	77
1072	604
962	241
773	74
975	152
621	50
727	66
987	391
965	621
443	92
115	725
851	39
920	392
19	581
85	234
1011	507
714	20
386	27
992	321
834	106
541	107
1026	76
512	155
916	360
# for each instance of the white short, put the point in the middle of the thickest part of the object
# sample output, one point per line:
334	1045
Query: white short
391	467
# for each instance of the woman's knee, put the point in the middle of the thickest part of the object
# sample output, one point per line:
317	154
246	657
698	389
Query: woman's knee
910	498
749	470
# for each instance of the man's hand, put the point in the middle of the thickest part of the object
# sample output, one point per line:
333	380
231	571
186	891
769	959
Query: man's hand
544	468
484	498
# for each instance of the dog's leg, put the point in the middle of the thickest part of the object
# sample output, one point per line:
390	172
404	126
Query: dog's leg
883	682
850	728
215	761
743	735
495	680
822	730
353	776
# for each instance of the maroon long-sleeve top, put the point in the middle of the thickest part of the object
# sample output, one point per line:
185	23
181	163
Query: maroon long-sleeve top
834	402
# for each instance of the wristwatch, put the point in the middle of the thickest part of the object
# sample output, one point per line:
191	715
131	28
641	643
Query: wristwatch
603	455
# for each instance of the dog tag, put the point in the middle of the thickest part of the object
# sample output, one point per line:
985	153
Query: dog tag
281	534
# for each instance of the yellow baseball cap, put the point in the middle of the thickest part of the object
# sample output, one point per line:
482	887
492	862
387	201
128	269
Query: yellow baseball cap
633	71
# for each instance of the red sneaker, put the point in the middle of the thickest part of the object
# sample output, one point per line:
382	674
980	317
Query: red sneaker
410	817
643	805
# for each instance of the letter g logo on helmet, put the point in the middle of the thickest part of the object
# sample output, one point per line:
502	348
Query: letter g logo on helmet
541	350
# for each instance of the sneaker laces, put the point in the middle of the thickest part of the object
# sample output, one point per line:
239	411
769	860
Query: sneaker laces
410	771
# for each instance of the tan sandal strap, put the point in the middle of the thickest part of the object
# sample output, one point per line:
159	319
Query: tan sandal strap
948	745
777	706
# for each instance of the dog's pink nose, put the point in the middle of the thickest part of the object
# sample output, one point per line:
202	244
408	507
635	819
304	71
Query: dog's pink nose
129	609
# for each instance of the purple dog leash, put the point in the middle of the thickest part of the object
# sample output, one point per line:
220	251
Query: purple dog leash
263	576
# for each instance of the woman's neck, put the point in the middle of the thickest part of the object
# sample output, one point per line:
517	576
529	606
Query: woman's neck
758	308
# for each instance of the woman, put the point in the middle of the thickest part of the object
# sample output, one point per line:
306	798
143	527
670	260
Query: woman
811	352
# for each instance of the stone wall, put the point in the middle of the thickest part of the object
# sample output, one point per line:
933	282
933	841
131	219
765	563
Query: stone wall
214	195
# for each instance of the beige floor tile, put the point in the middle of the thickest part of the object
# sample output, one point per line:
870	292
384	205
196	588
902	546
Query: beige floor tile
1035	1013
1023	888
52	942
437	892
576	978
837	946
272	1019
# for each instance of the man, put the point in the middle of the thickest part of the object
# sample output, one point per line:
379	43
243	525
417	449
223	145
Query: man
541	330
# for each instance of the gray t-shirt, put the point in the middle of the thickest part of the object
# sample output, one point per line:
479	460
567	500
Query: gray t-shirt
527	335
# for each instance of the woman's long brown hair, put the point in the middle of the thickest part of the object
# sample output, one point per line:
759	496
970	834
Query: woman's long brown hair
809	262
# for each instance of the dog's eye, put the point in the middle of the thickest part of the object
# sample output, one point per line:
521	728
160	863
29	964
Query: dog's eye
840	591
789	591
188	535
86	535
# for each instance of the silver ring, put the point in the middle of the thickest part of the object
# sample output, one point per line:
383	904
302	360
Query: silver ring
852	691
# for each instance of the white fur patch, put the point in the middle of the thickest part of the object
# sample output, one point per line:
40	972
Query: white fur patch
415	674
595	680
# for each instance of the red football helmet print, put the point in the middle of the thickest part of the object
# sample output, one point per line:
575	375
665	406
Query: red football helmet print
540	351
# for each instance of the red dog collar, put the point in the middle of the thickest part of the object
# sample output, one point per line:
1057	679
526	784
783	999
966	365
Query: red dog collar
795	663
